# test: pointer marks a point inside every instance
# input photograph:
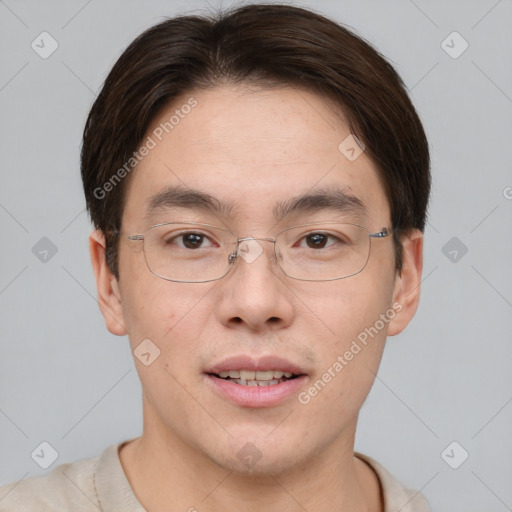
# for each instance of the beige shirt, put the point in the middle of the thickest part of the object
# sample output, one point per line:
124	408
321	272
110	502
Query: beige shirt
100	484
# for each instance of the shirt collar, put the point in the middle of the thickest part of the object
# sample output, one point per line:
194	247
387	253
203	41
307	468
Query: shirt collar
112	487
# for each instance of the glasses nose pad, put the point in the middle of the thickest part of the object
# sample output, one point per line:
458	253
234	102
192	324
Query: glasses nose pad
278	253
233	256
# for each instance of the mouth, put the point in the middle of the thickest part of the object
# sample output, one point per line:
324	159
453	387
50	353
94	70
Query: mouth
250	382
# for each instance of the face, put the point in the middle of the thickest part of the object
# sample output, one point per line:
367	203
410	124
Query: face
256	151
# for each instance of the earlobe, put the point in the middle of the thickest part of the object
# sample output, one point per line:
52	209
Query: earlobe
109	296
406	294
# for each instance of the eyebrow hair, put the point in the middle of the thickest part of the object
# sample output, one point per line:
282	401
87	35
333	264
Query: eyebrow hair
321	199
180	197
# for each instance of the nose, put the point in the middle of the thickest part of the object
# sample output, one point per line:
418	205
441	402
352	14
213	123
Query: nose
254	295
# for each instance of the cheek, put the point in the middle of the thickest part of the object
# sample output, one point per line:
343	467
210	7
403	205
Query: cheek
340	386
357	313
173	320
168	313
346	307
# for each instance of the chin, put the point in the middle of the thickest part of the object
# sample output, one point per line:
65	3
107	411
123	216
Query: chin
257	455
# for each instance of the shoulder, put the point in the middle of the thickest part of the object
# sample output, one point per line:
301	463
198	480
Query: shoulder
395	495
67	486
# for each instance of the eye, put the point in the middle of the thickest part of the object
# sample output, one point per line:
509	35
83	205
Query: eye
318	240
189	240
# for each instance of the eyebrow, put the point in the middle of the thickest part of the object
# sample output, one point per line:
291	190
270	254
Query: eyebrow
186	198
321	199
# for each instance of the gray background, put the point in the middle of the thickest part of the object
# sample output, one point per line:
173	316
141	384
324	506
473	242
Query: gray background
65	380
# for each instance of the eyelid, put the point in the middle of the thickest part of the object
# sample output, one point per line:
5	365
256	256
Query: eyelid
329	235
180	232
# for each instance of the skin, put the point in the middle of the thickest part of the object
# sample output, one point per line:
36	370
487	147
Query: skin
253	147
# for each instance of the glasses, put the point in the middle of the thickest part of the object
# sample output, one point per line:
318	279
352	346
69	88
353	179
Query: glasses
189	252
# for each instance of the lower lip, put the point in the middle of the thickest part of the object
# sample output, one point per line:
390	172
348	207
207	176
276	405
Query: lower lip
256	396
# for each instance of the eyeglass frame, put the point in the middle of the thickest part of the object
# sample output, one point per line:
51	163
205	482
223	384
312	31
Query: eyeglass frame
383	233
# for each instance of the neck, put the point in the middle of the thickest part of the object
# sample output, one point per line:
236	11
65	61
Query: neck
164	470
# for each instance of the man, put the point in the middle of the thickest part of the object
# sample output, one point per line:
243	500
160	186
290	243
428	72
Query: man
258	183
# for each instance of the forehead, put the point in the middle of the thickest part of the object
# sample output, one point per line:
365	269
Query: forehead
254	149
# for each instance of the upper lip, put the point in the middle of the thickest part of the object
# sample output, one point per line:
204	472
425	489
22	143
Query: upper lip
247	362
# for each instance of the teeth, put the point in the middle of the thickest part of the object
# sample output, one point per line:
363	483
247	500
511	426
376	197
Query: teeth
247	374
250	375
259	383
267	375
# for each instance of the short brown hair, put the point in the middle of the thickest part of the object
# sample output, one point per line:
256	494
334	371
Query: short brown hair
256	44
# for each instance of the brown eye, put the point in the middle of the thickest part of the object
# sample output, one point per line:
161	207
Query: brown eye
316	240
192	240
187	240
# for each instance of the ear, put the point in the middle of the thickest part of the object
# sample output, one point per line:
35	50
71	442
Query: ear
406	294
109	296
